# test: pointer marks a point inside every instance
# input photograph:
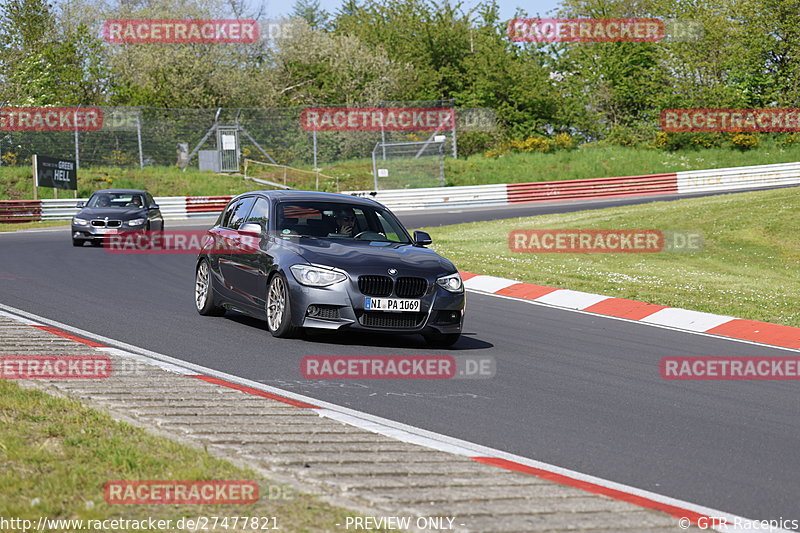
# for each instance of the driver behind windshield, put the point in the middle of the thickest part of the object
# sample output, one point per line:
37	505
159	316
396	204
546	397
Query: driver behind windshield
136	202
345	222
103	201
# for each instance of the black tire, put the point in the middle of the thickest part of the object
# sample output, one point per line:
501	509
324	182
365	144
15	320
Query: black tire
441	340
279	308
204	291
77	242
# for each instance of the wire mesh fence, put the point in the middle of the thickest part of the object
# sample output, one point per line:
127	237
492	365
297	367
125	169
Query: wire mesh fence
144	136
408	165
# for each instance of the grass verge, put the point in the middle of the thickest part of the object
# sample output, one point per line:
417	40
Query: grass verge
33	225
587	161
56	455
748	268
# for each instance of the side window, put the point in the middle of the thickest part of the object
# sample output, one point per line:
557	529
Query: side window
225	217
239	214
149	199
260	213
388	229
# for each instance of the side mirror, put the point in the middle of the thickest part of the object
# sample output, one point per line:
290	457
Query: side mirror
80	205
421	238
153	207
251	229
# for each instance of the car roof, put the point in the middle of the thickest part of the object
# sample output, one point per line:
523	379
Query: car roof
122	191
314	195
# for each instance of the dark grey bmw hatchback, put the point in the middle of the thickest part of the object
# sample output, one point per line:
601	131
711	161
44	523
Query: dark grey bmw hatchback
327	261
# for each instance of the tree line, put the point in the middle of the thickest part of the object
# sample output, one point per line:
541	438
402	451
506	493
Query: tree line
747	55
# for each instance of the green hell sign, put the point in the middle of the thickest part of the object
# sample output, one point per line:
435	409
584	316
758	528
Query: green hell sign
55	173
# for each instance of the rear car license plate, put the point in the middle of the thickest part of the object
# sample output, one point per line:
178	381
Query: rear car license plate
392	304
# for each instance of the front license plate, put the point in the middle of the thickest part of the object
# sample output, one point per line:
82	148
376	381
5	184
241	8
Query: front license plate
107	231
391	304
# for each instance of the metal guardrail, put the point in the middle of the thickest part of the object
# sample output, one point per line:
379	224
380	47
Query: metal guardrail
751	177
12	211
182	207
468	196
592	188
204	206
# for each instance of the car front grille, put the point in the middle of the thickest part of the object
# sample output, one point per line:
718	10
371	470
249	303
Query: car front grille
375	285
380	319
384	286
100	223
410	287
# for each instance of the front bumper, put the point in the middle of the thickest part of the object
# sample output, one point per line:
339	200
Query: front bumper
100	234
341	306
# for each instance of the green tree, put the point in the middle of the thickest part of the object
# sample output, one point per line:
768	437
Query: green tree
189	75
46	63
313	67
311	12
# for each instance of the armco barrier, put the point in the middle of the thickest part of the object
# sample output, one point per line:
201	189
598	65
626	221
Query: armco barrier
182	207
592	188
726	179
469	196
203	206
20	211
653	184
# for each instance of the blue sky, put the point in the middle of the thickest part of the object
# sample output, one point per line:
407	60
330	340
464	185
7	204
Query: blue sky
507	7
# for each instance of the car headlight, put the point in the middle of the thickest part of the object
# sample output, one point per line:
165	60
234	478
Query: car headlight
451	283
315	276
80	221
137	221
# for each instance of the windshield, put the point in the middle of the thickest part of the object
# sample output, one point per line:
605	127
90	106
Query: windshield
336	220
115	199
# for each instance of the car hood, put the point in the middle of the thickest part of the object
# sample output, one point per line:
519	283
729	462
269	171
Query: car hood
113	213
367	257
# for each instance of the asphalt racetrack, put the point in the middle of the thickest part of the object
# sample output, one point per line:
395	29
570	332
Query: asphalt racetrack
571	389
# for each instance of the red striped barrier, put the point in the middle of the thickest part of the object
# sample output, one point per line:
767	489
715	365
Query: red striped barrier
592	188
206	204
14	211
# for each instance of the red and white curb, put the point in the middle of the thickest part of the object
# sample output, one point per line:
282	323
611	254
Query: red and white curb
686	513
754	331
